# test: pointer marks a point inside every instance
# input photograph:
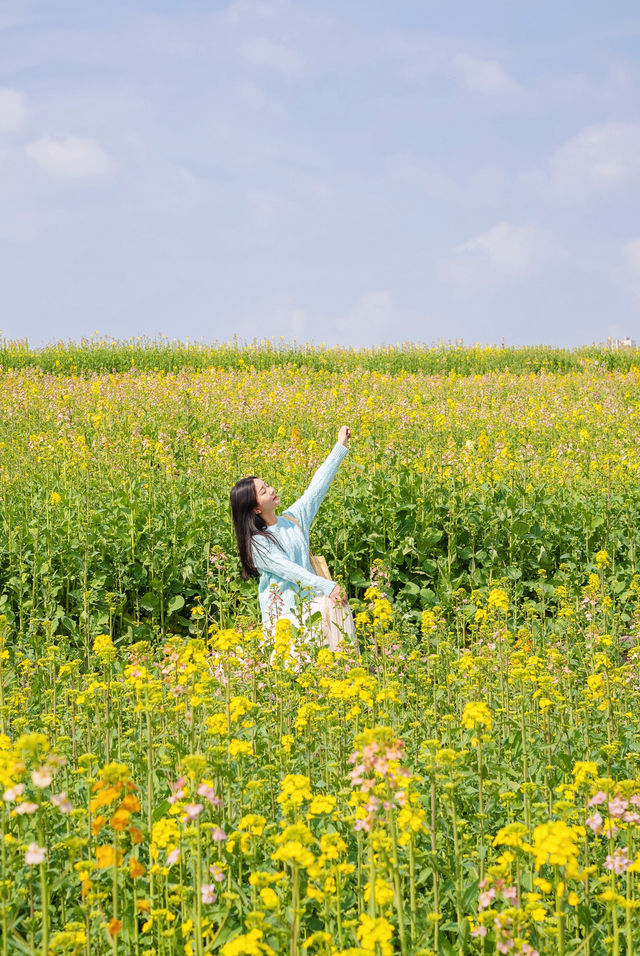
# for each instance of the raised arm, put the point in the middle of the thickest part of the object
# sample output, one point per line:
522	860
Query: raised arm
268	557
306	507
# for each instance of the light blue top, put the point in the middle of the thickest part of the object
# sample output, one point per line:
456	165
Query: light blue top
290	567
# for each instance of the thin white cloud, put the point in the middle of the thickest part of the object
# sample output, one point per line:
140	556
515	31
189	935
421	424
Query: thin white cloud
13	111
265	53
612	87
601	160
505	251
173	190
70	159
159	186
486	77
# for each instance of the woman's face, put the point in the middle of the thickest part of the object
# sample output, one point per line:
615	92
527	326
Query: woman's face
266	497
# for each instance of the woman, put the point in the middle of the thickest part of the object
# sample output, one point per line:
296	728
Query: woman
276	549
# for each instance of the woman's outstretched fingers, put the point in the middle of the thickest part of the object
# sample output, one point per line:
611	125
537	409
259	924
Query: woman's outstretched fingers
344	435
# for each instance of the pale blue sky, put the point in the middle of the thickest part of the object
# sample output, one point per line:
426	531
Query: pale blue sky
343	172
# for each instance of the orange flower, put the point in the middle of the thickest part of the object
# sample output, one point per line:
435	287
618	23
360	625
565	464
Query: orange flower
104	798
135	834
114	926
136	868
105	856
103	785
143	905
130	803
97	824
120	819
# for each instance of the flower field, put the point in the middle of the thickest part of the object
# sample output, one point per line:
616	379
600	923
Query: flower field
470	784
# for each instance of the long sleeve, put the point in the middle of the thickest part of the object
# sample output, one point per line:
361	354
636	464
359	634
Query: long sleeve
269	559
306	507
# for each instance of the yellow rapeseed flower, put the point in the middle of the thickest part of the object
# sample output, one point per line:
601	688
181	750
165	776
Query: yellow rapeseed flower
555	843
374	935
476	712
249	944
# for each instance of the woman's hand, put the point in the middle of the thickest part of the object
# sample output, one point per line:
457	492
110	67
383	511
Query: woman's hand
339	596
344	435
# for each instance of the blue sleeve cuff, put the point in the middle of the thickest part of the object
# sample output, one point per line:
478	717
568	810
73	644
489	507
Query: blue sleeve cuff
342	449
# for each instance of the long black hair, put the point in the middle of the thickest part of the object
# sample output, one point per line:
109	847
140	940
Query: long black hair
247	523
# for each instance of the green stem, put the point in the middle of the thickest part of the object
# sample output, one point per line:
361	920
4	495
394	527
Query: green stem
396	875
481	803
114	893
338	907
44	888
295	916
197	863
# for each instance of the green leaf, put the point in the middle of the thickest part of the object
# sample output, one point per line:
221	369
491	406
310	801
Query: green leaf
175	604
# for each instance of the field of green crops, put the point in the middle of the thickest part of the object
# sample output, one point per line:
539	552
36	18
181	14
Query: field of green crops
469	785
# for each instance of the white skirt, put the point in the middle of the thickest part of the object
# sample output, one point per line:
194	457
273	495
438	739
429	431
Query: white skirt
336	622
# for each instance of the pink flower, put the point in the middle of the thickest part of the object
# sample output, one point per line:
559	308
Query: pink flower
479	931
356	775
217	873
42	777
13	793
60	801
35	854
594	822
178	793
381	766
619	862
597	799
486	899
617	806
369	750
26	807
395	751
173	857
372	804
208	891
209	794
192	811
218	835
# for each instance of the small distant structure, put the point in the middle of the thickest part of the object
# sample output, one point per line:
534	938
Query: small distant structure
626	343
